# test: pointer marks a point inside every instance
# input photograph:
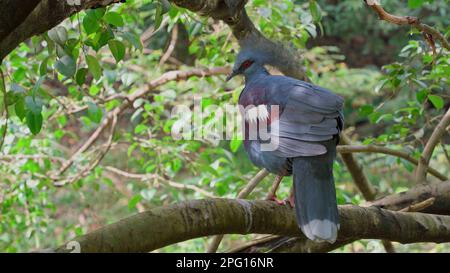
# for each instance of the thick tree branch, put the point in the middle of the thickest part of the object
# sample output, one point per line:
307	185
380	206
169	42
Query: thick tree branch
439	191
20	20
433	199
163	226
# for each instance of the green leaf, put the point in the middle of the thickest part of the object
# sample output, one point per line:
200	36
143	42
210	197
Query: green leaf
385	117
132	147
96	13
427	58
66	66
90	23
94	112
20	74
102	38
19	108
58	35
133	201
166	5
34	122
12	98
94	66
380	85
94	90
158	14
80	77
374	117
437	101
43	67
36	86
32	105
366	110
114	18
176	164
117	49
140	128
133	39
415	3
316	13
421	95
235	144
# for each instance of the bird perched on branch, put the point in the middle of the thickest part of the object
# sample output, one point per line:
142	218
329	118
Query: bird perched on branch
302	140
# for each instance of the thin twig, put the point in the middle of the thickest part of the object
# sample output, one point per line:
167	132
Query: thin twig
419	206
146	177
343	149
171	47
95	163
357	172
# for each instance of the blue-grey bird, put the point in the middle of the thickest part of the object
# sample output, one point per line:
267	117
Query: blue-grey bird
308	126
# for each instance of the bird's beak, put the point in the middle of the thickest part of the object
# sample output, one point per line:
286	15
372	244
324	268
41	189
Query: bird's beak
231	75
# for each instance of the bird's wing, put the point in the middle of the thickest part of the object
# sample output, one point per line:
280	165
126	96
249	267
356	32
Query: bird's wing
310	114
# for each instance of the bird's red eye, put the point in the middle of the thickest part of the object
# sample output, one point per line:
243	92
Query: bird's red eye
246	64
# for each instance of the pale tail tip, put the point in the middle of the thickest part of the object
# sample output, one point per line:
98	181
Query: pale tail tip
321	230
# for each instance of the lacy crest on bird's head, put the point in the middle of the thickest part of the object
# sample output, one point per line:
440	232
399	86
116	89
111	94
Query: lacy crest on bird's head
274	53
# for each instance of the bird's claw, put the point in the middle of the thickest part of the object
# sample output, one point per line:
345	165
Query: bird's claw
289	201
276	200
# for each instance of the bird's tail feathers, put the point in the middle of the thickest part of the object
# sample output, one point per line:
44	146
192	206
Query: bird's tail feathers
315	196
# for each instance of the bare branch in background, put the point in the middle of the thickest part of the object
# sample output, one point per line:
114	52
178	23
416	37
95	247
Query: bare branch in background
408	20
147	177
84	172
357	172
344	149
427	153
171	47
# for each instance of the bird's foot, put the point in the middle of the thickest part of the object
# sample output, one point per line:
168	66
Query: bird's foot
290	201
272	197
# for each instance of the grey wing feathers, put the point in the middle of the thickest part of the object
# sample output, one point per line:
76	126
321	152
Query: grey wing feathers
311	114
